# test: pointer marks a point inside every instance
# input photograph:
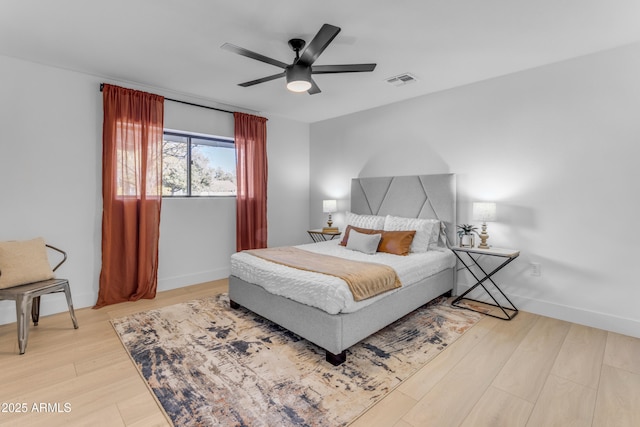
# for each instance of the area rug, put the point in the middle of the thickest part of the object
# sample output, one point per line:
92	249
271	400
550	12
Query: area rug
210	365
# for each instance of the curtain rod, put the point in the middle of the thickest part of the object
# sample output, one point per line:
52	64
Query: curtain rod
187	103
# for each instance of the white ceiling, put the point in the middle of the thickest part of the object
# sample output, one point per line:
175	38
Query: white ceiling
173	46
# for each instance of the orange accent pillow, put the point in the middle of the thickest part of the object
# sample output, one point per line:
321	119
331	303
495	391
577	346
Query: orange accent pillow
396	242
392	242
359	230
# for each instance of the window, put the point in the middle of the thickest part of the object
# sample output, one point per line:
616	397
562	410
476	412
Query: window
197	165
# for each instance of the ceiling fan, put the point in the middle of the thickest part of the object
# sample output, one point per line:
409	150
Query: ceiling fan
298	74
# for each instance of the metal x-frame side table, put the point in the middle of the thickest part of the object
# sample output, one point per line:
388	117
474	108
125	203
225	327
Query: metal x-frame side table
509	255
322	236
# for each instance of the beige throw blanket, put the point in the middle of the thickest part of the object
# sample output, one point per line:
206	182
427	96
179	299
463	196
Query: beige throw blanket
365	279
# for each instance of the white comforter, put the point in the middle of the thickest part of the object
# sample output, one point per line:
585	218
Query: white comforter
330	293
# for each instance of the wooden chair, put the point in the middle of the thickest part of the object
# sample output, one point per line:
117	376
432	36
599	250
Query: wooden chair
27	298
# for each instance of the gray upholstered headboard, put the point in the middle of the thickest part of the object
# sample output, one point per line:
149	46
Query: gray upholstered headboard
417	196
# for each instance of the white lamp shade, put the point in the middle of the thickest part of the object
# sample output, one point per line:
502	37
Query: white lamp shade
329	206
484	211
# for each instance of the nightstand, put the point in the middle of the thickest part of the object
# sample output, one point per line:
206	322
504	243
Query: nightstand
322	236
474	255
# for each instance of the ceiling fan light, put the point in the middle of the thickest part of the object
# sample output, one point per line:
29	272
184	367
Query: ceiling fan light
299	86
298	78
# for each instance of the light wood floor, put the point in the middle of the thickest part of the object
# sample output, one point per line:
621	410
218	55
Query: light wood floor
532	371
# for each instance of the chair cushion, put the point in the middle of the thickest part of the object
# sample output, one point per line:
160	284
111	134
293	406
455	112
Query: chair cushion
23	262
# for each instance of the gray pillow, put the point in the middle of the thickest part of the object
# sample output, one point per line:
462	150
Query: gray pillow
366	243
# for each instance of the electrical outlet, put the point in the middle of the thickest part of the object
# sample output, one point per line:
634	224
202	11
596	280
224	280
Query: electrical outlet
535	269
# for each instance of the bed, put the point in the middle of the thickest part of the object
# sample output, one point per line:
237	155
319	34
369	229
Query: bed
418	196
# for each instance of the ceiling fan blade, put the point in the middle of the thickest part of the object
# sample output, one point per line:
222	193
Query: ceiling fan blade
347	68
249	54
262	80
319	43
314	88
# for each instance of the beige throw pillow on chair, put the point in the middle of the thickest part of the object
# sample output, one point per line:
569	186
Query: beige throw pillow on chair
23	262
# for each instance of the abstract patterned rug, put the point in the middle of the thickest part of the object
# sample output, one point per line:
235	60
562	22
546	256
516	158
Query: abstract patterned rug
210	365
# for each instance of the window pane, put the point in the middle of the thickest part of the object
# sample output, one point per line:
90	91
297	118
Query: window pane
198	165
213	168
174	166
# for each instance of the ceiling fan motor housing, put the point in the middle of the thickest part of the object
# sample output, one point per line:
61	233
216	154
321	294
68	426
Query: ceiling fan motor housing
298	77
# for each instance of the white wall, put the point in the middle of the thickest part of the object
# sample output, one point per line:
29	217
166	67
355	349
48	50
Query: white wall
197	236
288	186
50	169
556	147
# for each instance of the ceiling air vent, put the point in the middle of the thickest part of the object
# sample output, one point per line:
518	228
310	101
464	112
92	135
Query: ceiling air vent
402	79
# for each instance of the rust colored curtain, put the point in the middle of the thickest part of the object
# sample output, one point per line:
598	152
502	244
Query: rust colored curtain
251	171
131	194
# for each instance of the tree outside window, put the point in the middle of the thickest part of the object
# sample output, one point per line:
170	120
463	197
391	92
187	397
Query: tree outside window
198	165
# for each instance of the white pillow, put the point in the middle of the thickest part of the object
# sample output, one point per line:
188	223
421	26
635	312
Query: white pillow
427	231
366	243
372	222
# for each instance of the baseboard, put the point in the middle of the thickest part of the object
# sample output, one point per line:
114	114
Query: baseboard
56	303
595	319
50	304
7	312
181	281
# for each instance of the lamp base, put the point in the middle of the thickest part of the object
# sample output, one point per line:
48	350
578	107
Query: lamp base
483	237
329	223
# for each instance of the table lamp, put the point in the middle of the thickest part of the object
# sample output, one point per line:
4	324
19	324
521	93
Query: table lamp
329	206
485	212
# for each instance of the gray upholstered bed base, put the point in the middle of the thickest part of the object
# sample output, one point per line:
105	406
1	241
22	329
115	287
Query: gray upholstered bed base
337	332
420	196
